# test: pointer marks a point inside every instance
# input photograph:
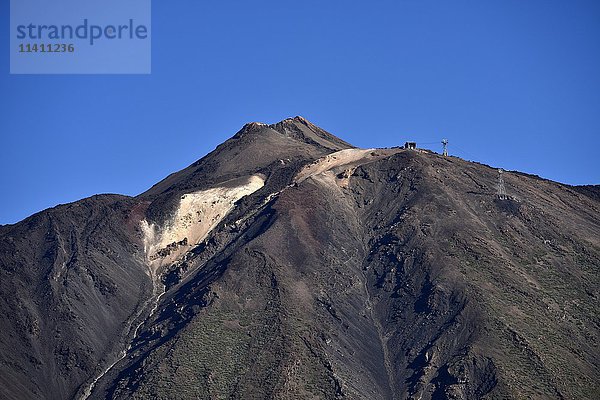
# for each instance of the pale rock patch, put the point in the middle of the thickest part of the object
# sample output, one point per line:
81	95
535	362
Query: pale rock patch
198	213
349	159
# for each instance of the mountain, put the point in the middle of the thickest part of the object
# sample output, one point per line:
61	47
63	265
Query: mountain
290	264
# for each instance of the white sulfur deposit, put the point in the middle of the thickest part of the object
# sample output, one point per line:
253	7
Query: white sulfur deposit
198	213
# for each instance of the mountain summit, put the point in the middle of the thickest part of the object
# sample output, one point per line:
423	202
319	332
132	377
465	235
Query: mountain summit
290	264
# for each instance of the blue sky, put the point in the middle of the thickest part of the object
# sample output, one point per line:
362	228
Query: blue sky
511	83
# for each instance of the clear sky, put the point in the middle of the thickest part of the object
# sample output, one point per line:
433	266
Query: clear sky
511	83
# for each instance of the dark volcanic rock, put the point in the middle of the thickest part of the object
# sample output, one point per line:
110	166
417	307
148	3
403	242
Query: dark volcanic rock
72	281
364	274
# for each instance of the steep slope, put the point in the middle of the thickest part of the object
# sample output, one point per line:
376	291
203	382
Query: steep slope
77	280
500	295
288	264
386	274
72	282
256	149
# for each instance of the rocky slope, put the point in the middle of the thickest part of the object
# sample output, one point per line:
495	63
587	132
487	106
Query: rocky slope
289	264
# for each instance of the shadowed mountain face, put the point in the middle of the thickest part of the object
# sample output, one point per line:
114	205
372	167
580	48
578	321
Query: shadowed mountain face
289	264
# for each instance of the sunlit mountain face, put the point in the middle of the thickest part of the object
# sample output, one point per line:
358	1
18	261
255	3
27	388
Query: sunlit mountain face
289	264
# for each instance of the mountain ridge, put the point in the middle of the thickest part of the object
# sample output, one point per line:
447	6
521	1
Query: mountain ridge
340	272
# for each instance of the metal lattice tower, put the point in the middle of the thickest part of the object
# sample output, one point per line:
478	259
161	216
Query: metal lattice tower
445	144
501	188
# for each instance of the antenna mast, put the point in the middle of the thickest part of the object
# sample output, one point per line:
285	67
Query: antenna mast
445	144
501	189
